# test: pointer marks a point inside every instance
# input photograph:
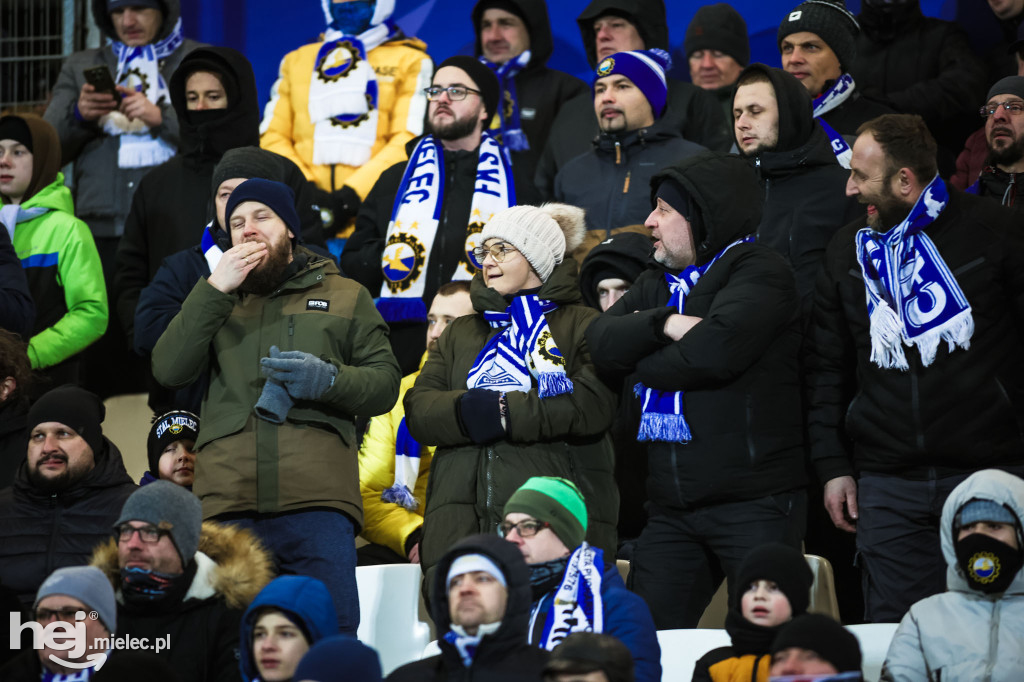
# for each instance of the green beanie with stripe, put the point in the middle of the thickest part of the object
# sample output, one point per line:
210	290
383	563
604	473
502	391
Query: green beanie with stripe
556	501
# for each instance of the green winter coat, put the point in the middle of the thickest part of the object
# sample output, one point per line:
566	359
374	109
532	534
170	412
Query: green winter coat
64	277
565	435
247	464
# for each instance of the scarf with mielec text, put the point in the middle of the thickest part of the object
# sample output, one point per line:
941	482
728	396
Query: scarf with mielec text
512	135
343	96
826	102
407	470
416	216
138	68
525	350
662	417
577	604
13	214
912	297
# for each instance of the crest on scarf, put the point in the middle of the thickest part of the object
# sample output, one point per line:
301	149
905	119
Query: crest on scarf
984	567
353	120
136	80
473	231
337	63
402	261
548	349
605	67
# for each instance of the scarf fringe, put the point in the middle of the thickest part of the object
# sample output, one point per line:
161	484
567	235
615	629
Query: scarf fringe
516	140
402	496
553	383
956	332
886	338
142	151
671	428
402	309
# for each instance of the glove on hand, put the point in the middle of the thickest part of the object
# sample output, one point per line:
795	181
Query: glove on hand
480	415
274	402
305	376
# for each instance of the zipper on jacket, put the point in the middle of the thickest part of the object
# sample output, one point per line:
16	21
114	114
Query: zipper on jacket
489	478
625	185
915	406
51	549
675	475
993	640
618	153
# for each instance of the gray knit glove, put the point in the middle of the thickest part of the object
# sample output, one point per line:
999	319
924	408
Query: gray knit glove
305	376
274	402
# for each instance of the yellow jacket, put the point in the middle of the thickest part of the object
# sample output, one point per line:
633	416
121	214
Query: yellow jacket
385	523
403	69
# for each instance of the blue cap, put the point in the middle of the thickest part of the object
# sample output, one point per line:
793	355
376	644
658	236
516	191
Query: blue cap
984	510
278	196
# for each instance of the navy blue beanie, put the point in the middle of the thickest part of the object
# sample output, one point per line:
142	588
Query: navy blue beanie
646	68
278	196
322	662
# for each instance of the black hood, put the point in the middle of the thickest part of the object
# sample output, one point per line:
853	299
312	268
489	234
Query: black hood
647	15
208	134
538	25
172	12
726	189
796	109
622	256
882	22
514	625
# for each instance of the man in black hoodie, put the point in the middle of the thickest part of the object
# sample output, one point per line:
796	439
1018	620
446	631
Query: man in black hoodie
480	602
712	335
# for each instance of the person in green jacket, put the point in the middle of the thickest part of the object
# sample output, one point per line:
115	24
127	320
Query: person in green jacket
511	391
278	456
56	249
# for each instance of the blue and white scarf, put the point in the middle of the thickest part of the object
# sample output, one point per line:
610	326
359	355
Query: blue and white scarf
13	214
826	102
83	675
662	417
577	605
211	250
138	68
912	297
416	217
467	644
512	135
524	351
407	470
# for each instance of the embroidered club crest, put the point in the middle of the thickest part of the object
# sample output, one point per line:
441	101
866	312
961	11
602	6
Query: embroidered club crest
549	350
605	67
175	429
135	80
337	63
984	567
402	261
473	231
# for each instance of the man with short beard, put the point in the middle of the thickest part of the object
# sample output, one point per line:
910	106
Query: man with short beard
279	456
914	370
1004	136
65	496
419	224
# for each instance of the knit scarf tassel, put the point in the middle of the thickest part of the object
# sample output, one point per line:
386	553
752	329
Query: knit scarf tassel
407	470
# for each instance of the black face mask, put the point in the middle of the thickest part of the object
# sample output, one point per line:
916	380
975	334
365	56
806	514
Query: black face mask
989	565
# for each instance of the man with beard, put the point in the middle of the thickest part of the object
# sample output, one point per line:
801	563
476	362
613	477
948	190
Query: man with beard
419	224
279	456
66	495
1004	137
914	368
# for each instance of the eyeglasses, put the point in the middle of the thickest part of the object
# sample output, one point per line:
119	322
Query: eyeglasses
526	528
456	93
67	614
1013	108
498	250
148	534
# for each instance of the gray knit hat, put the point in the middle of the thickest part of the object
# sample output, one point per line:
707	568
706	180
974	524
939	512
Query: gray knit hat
542	234
88	585
1011	85
247	162
830	21
169	507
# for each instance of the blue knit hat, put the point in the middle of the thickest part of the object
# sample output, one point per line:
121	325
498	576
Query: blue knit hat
278	196
984	510
646	68
322	663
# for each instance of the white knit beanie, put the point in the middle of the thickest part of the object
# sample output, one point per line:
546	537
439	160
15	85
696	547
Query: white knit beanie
539	233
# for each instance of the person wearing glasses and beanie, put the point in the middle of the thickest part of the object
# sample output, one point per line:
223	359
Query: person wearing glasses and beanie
177	577
511	391
421	221
576	588
1004	139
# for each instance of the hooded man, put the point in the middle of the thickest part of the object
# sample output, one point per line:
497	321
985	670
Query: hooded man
714	351
607	27
480	602
983	546
1004	139
181	580
56	250
333	116
65	496
513	38
610	181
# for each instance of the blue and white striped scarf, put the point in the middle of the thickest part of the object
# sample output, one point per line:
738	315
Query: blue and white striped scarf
524	351
912	297
826	102
512	135
577	605
662	417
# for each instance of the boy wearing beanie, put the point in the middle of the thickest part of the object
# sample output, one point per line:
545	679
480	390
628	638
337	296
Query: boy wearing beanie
510	392
816	645
171	448
574	588
773	586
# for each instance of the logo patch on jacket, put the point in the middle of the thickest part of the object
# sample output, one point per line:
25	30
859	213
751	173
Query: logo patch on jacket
318	304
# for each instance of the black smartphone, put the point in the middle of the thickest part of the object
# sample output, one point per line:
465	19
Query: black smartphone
100	78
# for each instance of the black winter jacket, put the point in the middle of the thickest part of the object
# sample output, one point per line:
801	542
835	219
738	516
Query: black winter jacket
965	411
1002	186
17	310
857	109
13	438
738	366
41	532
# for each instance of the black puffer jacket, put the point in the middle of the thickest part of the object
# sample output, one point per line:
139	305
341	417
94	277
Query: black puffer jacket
1004	187
857	109
41	532
502	657
738	366
542	92
13	438
962	413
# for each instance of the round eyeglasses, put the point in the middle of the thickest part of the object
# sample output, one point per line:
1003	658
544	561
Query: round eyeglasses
499	252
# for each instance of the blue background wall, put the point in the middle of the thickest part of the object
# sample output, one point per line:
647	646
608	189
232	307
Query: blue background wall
265	30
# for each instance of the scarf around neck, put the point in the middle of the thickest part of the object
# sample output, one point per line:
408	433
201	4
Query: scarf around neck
576	605
912	297
662	418
153	590
467	644
511	128
840	91
522	352
416	217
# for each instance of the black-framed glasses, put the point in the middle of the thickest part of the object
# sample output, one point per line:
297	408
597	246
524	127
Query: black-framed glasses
1013	108
148	534
456	93
499	252
526	528
66	614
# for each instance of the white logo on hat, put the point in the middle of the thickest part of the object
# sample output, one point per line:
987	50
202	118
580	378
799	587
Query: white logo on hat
795	16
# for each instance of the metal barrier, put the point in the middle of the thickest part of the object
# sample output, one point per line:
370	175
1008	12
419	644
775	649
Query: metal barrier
35	36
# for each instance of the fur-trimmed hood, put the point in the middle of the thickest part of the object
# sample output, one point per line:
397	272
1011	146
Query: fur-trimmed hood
231	563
